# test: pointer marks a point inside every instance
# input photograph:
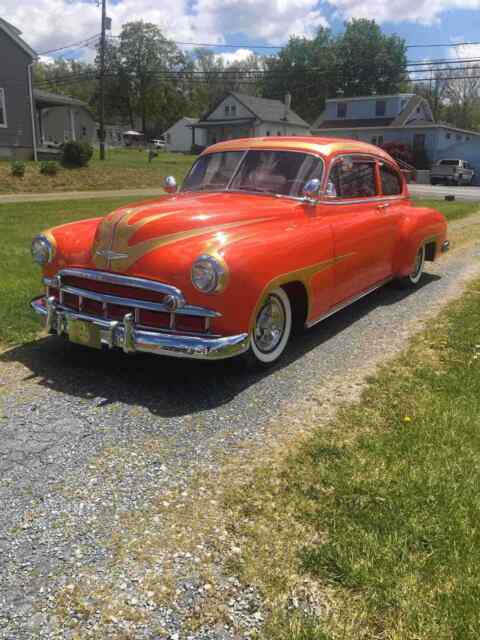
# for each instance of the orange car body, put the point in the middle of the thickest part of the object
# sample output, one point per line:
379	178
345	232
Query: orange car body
334	249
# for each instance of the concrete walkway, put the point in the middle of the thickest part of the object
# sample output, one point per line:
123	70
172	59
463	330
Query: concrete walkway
80	195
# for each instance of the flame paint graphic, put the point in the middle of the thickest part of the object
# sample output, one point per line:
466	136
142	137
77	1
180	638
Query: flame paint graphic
115	233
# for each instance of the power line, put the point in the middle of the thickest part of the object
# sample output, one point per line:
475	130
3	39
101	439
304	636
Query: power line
82	43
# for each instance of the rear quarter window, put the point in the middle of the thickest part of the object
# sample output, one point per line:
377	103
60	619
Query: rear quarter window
391	181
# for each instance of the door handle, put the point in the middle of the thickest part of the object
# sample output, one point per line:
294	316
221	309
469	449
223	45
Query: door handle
383	206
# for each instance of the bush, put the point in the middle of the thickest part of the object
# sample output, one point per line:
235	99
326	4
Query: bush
18	168
49	168
76	154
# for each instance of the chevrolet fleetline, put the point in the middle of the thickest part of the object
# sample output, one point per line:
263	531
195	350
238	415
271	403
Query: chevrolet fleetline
265	235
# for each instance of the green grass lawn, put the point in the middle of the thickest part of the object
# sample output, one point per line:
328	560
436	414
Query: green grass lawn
21	277
451	210
378	513
123	169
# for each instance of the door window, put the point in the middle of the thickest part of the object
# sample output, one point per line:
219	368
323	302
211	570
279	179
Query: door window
352	177
391	181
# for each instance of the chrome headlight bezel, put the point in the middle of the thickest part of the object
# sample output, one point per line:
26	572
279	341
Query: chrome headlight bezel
209	274
42	249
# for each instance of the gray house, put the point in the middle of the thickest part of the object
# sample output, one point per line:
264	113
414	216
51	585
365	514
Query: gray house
239	115
405	118
17	115
30	119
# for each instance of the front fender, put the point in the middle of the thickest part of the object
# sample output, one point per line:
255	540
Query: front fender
73	244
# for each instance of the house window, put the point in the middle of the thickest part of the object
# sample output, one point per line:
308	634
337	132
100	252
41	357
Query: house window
227	109
341	110
448	136
84	131
380	108
3	109
268	133
380	140
279	133
374	139
233	109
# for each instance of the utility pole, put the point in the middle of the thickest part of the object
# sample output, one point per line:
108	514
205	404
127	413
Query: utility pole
102	80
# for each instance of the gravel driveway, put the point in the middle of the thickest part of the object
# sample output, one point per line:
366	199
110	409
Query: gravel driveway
87	437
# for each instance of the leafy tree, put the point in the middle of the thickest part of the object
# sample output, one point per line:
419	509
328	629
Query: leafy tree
306	69
368	61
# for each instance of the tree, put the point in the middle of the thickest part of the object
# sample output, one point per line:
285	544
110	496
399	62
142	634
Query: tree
368	61
68	77
306	69
141	62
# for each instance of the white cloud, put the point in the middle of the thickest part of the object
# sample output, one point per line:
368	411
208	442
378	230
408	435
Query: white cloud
48	24
422	11
235	56
466	51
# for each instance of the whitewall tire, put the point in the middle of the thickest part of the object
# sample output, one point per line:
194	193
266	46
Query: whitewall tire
271	331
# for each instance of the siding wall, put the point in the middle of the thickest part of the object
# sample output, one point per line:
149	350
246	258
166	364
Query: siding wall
16	141
219	113
180	137
365	108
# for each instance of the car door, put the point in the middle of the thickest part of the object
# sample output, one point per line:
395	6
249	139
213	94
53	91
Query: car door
361	228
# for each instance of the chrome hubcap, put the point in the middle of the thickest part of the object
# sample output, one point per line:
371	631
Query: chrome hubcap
270	325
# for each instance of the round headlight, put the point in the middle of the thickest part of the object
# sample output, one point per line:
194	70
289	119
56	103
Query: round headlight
208	274
43	250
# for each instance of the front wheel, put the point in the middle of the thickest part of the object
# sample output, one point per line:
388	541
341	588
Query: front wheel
271	331
414	277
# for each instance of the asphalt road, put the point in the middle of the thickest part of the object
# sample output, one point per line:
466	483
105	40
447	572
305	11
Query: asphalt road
467	194
70	418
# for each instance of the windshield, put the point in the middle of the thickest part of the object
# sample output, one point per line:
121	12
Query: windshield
276	172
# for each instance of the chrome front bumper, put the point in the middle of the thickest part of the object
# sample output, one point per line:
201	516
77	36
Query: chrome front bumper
131	339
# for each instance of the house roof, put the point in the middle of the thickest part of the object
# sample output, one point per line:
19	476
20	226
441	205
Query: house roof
47	99
14	34
264	109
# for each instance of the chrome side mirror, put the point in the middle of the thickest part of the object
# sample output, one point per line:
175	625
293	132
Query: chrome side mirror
170	184
311	189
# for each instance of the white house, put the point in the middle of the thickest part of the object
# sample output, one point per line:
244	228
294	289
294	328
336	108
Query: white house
405	118
239	115
180	137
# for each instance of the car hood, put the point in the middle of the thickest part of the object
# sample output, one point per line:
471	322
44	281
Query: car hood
129	234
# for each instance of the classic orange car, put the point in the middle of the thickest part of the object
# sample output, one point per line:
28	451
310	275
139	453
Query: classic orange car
265	235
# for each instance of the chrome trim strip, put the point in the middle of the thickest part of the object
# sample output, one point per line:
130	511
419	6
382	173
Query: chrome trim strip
178	346
106	298
347	303
126	281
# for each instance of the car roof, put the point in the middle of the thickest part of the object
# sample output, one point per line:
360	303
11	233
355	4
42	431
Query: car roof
313	144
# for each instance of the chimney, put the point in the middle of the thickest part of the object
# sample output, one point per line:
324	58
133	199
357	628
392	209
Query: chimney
287	103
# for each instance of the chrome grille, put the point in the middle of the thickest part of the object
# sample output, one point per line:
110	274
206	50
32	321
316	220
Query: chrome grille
152	304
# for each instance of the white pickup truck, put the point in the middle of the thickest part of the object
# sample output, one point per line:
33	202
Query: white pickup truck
455	172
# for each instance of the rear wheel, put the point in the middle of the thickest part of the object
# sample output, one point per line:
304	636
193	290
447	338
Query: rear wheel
414	277
271	331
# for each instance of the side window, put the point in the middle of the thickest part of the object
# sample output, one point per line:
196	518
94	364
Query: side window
391	182
352	177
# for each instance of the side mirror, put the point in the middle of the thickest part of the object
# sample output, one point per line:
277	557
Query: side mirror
311	189
170	184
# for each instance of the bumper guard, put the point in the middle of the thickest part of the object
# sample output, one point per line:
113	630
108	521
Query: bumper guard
130	338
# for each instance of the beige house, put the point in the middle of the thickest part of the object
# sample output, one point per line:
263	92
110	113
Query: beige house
239	115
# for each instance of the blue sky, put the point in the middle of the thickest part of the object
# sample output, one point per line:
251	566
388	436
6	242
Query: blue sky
48	24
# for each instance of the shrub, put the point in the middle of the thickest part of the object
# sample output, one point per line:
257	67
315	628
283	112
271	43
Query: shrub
49	168
18	168
76	154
